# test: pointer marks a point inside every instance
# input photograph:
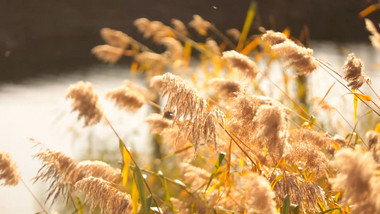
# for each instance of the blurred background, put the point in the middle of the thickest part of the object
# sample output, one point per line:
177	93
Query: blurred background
50	37
45	46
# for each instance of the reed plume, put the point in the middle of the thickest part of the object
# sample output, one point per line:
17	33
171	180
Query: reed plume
272	127
152	61
309	158
265	120
85	101
241	63
180	206
353	72
173	48
323	104
155	29
188	106
127	98
157	123
195	176
355	179
180	27
296	56
234	33
115	38
98	169
200	25
99	191
60	169
156	83
274	38
306	194
374	144
63	172
107	53
8	170
225	88
213	47
375	37
260	198
313	137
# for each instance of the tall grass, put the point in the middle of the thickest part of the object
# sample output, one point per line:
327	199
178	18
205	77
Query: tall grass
225	145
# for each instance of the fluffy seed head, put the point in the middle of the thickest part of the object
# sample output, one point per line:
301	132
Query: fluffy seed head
127	98
353	72
63	172
157	123
152	61
173	47
241	62
309	157
8	170
306	194
271	125
180	27
296	56
213	47
188	106
323	104
260	198
156	82
107	53
274	38
85	101
154	29
99	191
234	33
375	37
200	25
115	38
354	178
225	88
373	138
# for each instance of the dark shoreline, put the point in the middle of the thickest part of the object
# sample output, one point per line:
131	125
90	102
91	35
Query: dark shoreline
45	37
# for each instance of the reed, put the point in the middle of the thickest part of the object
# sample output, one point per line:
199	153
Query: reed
228	146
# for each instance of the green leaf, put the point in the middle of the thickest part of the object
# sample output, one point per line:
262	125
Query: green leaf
285	209
216	167
165	185
140	186
294	209
149	201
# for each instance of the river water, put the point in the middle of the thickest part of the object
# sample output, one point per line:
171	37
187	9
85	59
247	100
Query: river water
37	109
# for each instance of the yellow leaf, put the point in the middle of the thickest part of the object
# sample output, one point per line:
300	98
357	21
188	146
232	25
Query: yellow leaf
135	197
363	96
242	164
247	25
377	129
355	105
127	160
252	45
286	32
369	10
187	53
